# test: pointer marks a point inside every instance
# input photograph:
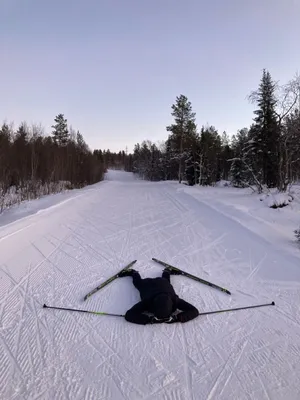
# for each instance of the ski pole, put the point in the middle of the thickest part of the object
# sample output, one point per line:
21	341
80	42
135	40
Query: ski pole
236	309
84	311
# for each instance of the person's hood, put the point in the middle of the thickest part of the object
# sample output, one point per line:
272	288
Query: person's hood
162	306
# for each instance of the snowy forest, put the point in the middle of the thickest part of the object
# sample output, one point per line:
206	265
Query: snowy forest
34	164
266	154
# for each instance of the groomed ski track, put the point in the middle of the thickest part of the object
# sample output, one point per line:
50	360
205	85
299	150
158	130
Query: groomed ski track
58	255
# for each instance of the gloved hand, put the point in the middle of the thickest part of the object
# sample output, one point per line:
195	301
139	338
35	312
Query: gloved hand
172	271
154	320
168	320
128	272
173	319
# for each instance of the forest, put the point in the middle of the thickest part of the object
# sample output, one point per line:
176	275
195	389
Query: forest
264	155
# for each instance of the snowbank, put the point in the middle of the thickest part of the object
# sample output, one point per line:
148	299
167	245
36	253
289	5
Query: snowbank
275	215
223	183
30	191
277	200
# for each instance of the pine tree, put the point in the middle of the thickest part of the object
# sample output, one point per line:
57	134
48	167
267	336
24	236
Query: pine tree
226	154
82	145
60	133
210	145
265	132
238	173
289	164
190	169
182	130
240	170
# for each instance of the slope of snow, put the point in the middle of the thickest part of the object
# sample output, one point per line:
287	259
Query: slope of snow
58	255
253	211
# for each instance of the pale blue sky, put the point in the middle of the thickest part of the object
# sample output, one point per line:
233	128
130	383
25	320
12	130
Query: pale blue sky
115	67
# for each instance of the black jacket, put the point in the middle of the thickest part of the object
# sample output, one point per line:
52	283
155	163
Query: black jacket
151	287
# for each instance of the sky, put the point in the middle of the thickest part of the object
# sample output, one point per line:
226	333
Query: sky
115	67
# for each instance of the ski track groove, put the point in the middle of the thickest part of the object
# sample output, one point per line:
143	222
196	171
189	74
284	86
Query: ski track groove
88	247
104	239
48	259
256	269
264	388
79	322
187	372
216	383
38	335
32	271
20	326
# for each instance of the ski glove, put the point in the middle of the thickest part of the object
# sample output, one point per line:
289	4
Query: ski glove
154	320
172	319
172	271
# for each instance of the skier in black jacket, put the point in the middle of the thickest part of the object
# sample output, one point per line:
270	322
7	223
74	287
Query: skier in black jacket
158	298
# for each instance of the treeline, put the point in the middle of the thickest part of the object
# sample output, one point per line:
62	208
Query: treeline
112	160
267	154
34	164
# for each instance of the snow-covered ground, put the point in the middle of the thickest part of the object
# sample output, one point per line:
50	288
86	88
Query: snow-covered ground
55	256
253	211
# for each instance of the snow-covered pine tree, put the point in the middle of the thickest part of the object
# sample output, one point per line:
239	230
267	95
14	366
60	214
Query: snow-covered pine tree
226	154
265	132
190	169
181	129
60	132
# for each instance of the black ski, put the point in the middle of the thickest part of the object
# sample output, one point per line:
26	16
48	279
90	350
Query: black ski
196	278
109	280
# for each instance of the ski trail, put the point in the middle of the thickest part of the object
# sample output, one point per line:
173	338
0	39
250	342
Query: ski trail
20	283
223	371
11	357
51	354
264	388
47	258
186	369
256	269
15	232
24	299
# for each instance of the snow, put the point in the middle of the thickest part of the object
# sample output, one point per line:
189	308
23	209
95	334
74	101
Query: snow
56	249
15	196
277	200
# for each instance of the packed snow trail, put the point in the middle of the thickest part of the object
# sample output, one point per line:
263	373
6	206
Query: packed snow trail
58	255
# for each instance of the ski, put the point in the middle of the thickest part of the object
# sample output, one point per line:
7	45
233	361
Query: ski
83	311
238	308
196	278
109	280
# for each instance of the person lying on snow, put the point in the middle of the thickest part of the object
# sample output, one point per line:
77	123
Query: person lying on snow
158	298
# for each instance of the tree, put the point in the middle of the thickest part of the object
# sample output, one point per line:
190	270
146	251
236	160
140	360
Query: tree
81	144
289	125
239	172
265	132
60	133
226	154
210	151
183	129
21	151
289	164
